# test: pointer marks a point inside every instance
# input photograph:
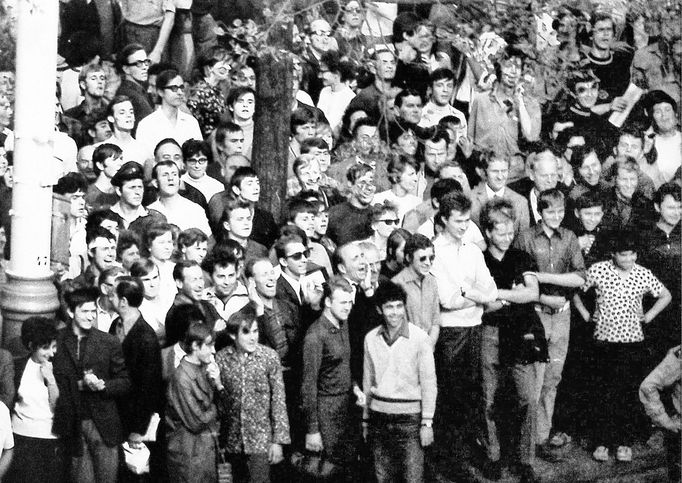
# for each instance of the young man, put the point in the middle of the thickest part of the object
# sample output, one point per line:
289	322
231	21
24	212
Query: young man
241	102
90	371
177	209
227	140
121	118
336	94
227	293
434	155
106	312
302	124
374	99
301	214
134	63
320	42
197	155
513	339
399	382
441	93
556	252
463	294
408	107
73	187
91	80
106	160
624	207
101	255
351	220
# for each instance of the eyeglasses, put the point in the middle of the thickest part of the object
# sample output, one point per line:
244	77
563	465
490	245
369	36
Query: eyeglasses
391	221
175	89
585	89
424	258
197	161
365	186
140	63
297	256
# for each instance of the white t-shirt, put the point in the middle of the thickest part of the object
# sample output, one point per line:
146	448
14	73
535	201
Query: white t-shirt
404	203
472	235
334	104
184	213
6	436
206	184
156	127
669	151
32	414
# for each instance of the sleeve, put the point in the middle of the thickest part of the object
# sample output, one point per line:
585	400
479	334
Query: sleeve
533	108
591	277
183	395
577	261
312	359
446	287
427	379
278	407
654	285
484	281
145	372
663	376
118	384
434	308
6	429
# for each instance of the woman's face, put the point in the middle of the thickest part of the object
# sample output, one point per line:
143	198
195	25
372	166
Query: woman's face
408	180
44	353
664	117
408	142
590	170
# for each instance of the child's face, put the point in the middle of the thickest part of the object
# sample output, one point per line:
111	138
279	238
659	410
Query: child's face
669	210
625	260
553	215
590	217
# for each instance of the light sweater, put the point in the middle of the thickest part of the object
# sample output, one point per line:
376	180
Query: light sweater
32	414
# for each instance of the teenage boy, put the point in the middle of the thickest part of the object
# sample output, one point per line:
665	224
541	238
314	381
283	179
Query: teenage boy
631	143
228	140
227	293
241	102
237	224
106	161
91	374
624	207
513	340
373	99
442	89
73	187
556	252
134	64
399	382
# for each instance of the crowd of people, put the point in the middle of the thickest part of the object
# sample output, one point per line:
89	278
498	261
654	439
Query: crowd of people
477	262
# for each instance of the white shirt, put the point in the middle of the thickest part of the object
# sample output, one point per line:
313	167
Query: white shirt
6	436
133	150
334	104
156	127
471	272
669	151
471	235
403	203
207	185
178	354
65	152
433	113
491	194
184	213
154	313
295	284
104	318
32	414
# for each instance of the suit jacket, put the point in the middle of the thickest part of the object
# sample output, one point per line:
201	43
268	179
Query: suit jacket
102	354
479	197
307	314
142	355
523	187
363	317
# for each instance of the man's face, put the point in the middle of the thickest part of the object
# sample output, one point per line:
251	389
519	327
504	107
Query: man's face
305	131
664	117
196	252
233	144
131	192
249	189
394	314
101	131
265	279
422	261
5	111
354	266
442	91
168	180
240	223
626	182
244	77
234	162
244	107
590	217
196	165
590	170
630	146
152	283
422	39
192	284
77	209
669	209
123	116
246	339
295	260
322	157
408	179
353	15
365	139
224	279
94	84
553	215
411	109
170	152
362	191
496	174
111	226
373	261
435	154
511	70
327	77
137	66
320	36
84	315
340	304
206	351
103	253
407	141
587	93
162	246
385	65
625	260
173	93
111	165
309	176
129	256
545	174
602	34
306	222
457	224
501	236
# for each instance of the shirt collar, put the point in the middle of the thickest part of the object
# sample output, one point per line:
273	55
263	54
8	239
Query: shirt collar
491	194
403	332
540	231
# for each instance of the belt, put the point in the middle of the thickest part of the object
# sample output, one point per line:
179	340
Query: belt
548	310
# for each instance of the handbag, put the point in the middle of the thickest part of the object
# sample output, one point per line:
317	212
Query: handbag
312	466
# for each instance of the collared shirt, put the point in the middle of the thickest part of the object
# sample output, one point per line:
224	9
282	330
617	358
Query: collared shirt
470	272
104	317
399	375
618	313
295	284
140	212
423	308
559	254
492	194
178	354
184	213
255	413
157	126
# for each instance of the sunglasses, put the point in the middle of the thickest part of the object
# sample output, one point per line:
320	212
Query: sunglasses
391	221
424	258
140	63
297	256
175	89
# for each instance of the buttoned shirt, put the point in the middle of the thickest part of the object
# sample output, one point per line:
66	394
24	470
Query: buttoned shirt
157	126
618	313
423	309
254	412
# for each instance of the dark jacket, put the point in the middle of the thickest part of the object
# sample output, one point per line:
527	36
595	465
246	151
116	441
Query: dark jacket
101	353
142	105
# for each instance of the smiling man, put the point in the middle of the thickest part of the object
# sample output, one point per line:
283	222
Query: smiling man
350	220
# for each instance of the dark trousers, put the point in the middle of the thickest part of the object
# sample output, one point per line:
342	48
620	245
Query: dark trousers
37	459
618	374
249	468
397	449
672	450
340	436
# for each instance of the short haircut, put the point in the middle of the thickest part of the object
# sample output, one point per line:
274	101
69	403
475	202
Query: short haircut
302	162
224	128
289	229
248	268
397	166
127	51
71	183
119	99
127	239
192	147
625	163
102	153
600	17
88	69
196	332
241	320
237	93
282	242
379	209
496	211
179	320
668	189
550	197
232	204
624	241
180	267
335	63
131	289
79	296
633	130
407	92
98	232
440	74
455	201
580	153
191	236
38	332
580	76
589	199
545	155
110	272
316	142
154	231
297	205
335	283
240	174
300	117
363	121
142	267
164	77
219	259
416	242
388	291
164	164
95	218
357	171
487	156
395	239
439	134
165	141
444	186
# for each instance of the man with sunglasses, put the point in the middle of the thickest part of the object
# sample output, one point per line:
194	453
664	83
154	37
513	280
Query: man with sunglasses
134	64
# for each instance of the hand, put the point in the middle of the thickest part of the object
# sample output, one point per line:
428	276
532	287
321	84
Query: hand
313	442
586	242
92	382
135	440
646	319
47	373
518	92
312	293
618	104
254	297
366	283
275	455
154	56
361	398
406	53
213	373
554	301
426	436
219	325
